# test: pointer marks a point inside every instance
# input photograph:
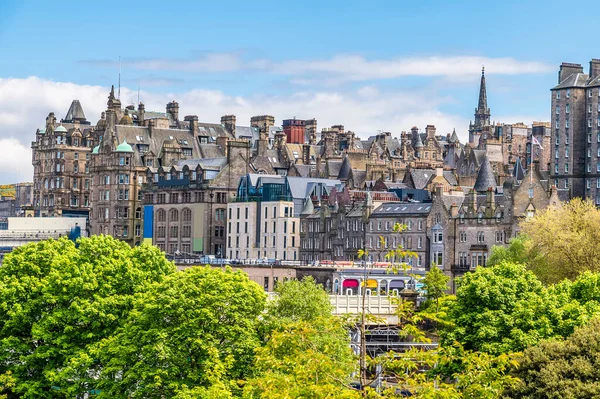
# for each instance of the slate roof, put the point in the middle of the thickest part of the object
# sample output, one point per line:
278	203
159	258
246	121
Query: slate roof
448	200
573	80
359	177
421	177
300	187
211	151
75	112
594	82
479	156
518	172
450	177
402	208
304	170
345	169
454	137
485	177
333	167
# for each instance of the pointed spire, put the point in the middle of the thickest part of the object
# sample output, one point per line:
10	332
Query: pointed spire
518	172
482	113
482	92
419	143
454	137
308	207
485	177
345	169
75	112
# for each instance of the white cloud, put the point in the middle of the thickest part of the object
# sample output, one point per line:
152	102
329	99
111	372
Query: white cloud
357	68
341	67
15	161
211	62
25	103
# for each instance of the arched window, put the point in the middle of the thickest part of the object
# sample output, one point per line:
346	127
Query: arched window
161	215
173	215
186	215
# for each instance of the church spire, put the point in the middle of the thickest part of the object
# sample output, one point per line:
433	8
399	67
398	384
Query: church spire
482	113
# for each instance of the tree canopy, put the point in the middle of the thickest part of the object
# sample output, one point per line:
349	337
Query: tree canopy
505	308
565	239
195	333
561	369
57	299
299	300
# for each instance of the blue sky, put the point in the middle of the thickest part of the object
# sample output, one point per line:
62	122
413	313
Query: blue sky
369	65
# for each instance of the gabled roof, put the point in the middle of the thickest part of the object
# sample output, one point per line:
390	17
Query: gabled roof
421	177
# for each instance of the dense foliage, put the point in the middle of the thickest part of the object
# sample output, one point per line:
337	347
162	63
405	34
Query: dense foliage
566	239
57	299
197	328
505	308
560	369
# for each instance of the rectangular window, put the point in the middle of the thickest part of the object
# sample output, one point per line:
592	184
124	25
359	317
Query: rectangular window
566	168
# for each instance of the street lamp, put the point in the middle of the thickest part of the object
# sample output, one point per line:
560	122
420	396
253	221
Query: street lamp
368	208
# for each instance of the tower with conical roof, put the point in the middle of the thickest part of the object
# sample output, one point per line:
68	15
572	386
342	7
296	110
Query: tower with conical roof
482	112
485	178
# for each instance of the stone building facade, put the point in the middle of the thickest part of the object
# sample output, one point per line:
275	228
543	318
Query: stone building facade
575	157
61	157
382	238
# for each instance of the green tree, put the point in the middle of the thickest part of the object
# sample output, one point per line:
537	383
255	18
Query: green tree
521	249
305	360
505	308
193	334
297	300
448	373
567	239
435	284
557	369
57	299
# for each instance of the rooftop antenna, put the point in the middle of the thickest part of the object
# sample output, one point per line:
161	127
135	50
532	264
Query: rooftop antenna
119	92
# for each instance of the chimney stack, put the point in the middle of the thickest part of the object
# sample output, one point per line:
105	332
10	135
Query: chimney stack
173	109
567	69
594	68
228	121
193	121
